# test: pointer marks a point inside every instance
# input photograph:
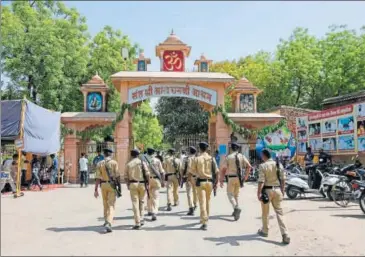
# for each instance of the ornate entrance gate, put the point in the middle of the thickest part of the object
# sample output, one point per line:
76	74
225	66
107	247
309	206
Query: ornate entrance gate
183	142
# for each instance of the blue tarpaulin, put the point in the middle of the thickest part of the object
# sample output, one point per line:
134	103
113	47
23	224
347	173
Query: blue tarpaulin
41	126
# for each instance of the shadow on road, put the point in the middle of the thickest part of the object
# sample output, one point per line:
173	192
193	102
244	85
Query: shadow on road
234	240
216	217
97	229
168	228
354	216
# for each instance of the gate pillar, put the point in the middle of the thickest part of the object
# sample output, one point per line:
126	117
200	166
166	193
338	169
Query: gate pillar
70	156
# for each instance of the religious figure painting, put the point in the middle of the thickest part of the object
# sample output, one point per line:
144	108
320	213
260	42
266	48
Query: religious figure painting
94	102
246	103
141	66
204	67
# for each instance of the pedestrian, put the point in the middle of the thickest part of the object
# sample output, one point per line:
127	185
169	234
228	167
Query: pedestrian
99	157
136	173
83	161
190	178
271	189
54	169
107	170
171	166
156	182
36	166
206	169
217	158
24	166
233	164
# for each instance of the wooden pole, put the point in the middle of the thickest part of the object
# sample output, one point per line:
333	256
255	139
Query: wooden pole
21	135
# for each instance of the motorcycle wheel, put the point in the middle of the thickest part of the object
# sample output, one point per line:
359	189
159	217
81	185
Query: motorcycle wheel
329	193
341	193
323	193
291	193
362	202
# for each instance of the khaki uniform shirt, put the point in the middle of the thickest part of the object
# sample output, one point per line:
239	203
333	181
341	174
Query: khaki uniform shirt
230	163
112	167
133	170
188	162
156	163
168	164
268	173
202	166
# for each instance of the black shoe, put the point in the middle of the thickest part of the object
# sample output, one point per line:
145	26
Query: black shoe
136	227
233	213
195	207
108	228
204	227
237	213
169	207
142	223
262	233
286	239
81	186
191	212
154	218
149	214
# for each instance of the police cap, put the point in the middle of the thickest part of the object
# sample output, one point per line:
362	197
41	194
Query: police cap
203	145
134	152
150	150
192	149
108	150
171	150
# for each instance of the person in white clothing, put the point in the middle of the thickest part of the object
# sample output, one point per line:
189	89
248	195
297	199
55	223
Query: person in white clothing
83	170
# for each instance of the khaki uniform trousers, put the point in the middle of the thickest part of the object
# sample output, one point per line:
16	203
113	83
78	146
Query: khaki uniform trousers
153	202
275	198
109	198
137	191
233	191
172	189
204	194
191	191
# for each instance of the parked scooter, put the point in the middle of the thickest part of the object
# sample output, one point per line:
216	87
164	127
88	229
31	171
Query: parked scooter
304	184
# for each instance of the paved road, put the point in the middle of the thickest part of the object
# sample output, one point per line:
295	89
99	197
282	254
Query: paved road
67	221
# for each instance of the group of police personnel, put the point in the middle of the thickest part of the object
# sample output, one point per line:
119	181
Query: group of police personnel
147	174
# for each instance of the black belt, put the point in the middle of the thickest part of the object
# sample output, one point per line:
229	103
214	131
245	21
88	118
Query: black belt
103	181
169	174
205	180
232	176
271	187
155	177
135	181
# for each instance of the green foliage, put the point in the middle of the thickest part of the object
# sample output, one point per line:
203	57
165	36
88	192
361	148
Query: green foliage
181	116
147	130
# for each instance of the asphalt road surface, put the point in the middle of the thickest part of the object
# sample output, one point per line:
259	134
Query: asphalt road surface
67	221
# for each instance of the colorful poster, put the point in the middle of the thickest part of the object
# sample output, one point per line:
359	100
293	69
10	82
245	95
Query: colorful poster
94	102
346	143
329	128
315	129
302	123
346	125
360	128
302	147
361	144
281	143
302	135
360	111
329	144
173	61
246	103
315	144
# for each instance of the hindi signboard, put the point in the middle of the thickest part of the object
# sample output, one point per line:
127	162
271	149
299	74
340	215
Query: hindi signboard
141	93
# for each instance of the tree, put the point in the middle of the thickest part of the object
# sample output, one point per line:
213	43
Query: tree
181	116
147	131
45	52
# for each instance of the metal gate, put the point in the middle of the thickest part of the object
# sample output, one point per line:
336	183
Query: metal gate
183	142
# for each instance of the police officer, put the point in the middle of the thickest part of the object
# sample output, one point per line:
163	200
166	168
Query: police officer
156	182
273	186
203	166
107	192
136	172
171	166
229	169
190	179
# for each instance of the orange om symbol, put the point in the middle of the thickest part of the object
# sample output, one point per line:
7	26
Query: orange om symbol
172	61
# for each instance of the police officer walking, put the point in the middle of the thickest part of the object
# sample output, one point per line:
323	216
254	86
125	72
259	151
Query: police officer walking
107	170
271	189
205	167
190	178
171	166
230	167
136	173
156	182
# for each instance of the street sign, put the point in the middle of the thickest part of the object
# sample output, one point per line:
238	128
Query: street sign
19	143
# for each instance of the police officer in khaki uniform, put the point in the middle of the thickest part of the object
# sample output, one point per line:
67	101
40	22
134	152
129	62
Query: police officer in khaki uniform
171	166
107	192
203	166
274	189
190	178
135	172
229	169
156	182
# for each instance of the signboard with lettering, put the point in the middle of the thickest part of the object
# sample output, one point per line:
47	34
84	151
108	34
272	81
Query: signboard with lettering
173	61
337	130
141	93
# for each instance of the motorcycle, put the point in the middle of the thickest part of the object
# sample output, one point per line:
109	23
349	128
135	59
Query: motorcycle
362	197
298	184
